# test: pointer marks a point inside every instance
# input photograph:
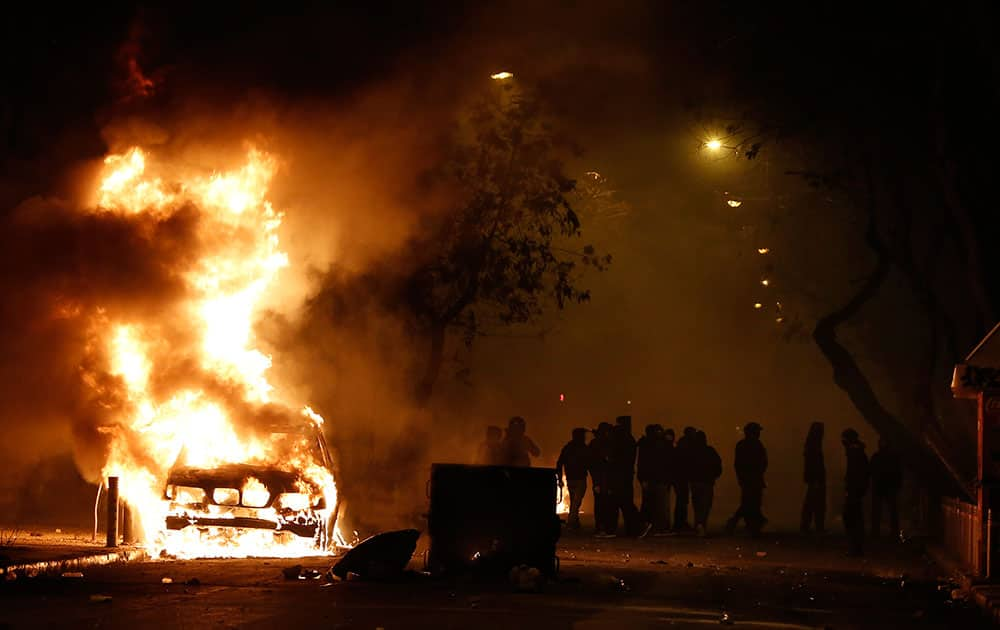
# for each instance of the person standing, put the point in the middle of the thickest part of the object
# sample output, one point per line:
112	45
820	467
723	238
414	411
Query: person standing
573	463
814	475
887	478
490	450
599	451
623	479
856	485
682	479
750	464
705	470
652	476
518	448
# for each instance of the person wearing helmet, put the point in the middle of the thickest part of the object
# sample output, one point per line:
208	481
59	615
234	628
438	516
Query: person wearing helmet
573	463
518	448
855	486
750	464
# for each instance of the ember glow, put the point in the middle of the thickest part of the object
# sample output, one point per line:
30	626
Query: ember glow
211	459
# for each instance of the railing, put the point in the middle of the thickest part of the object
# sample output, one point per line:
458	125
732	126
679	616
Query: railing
962	532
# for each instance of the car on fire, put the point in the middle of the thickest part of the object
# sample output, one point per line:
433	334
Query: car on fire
284	496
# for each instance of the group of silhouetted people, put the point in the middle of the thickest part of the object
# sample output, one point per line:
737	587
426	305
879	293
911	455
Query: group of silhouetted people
884	473
614	459
688	470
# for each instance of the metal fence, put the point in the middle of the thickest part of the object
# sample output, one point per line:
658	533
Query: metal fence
962	530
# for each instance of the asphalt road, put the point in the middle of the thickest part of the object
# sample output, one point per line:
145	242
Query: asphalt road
777	582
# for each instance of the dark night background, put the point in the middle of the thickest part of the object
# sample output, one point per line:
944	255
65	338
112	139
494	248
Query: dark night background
845	116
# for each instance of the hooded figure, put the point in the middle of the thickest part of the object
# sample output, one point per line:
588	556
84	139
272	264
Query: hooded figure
750	464
652	473
518	448
682	479
814	475
599	458
855	485
573	461
706	468
622	480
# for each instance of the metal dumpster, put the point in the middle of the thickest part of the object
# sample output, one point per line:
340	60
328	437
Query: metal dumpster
488	519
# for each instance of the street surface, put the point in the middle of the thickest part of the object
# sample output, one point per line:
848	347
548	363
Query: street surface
780	581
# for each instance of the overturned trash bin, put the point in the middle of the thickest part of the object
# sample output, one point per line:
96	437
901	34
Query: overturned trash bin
489	519
381	557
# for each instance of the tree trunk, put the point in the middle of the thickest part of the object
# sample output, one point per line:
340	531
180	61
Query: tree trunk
849	377
432	369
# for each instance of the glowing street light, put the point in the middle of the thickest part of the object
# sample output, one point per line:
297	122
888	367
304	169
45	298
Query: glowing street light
714	144
734	203
502	76
758	305
763	250
765	282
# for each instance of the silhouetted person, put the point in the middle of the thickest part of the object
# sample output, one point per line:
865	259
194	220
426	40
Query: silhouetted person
856	485
622	479
706	467
572	462
682	479
814	505
652	473
750	464
491	449
669	467
600	466
887	478
518	448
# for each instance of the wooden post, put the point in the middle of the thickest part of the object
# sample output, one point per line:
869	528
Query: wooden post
112	512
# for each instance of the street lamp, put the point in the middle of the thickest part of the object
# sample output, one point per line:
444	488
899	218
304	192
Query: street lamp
714	144
502	76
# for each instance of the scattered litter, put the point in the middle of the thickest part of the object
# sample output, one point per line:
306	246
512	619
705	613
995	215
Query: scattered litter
725	619
193	582
526	579
167	580
761	554
310	574
626	557
72	574
100	599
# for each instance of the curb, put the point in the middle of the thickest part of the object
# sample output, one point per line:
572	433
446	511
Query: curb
49	567
983	594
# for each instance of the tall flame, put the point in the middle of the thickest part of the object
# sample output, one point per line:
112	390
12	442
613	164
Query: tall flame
198	424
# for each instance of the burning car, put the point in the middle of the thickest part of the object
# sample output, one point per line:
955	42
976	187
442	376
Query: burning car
282	507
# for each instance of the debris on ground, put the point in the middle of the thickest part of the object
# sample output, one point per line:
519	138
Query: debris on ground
725	619
100	599
383	556
293	572
167	580
72	574
526	579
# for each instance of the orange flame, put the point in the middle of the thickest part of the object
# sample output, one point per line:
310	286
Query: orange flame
194	425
